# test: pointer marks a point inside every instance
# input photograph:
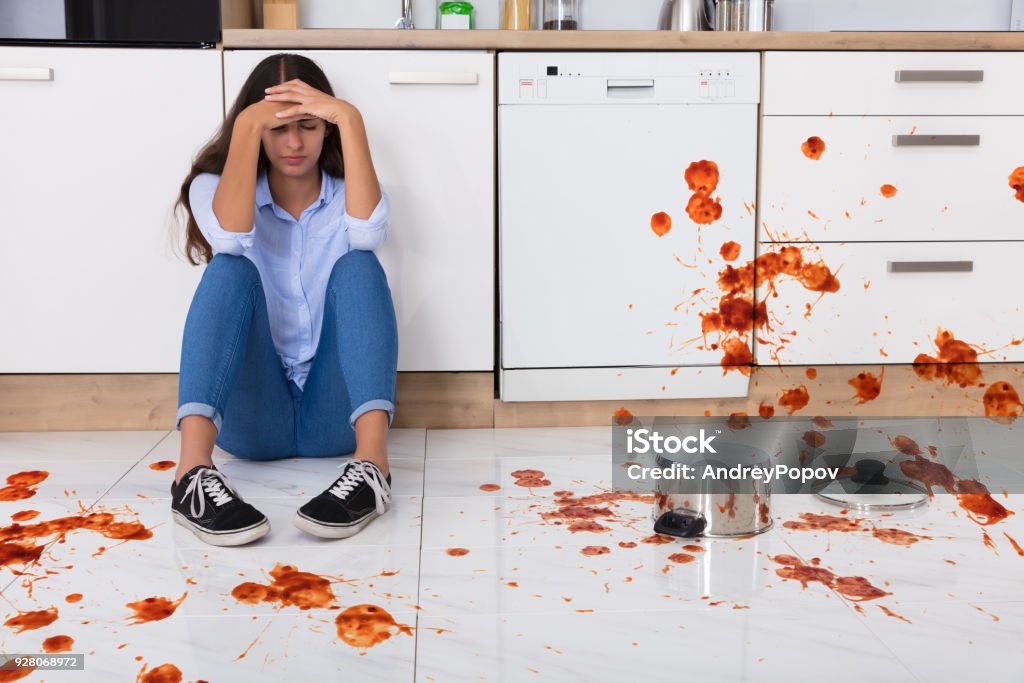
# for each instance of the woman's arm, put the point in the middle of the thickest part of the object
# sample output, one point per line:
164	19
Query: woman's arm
362	189
235	201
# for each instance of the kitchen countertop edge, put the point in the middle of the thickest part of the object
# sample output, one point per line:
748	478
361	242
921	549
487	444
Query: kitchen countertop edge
489	39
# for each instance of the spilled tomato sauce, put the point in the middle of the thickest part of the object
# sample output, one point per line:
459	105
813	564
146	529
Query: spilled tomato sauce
813	147
794	399
489	487
165	673
814	522
811	373
738	421
530	478
814	438
730	251
19	485
1002	400
1017	182
898	536
162	465
289	588
661	223
29	621
457	552
364	626
592	550
25	515
153	609
681	558
58	644
888	191
855	588
955	362
867	386
623	417
766	410
702	179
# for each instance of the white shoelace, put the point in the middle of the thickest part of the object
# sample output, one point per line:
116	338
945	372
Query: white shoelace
211	482
358	471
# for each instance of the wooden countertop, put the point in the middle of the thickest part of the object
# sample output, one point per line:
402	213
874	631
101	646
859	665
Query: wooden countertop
486	39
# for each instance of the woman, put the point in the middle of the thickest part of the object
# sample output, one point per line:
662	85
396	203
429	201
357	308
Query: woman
290	345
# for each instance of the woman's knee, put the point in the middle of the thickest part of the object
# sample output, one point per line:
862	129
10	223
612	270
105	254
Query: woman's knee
356	264
225	270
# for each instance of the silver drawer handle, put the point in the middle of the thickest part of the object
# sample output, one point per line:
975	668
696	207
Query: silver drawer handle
939	76
930	266
25	73
925	140
630	83
433	77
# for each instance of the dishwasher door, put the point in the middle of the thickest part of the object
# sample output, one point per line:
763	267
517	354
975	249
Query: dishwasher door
585	283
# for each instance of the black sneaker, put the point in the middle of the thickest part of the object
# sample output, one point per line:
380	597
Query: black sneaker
357	497
207	505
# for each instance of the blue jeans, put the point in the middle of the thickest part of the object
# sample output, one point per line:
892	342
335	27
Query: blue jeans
232	374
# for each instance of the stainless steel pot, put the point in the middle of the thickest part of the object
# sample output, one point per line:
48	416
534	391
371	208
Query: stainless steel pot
743	15
687	15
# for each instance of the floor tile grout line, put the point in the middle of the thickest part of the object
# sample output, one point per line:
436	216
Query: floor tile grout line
152	448
419	561
851	610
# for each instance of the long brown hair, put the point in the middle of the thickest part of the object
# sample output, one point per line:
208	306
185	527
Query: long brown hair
273	70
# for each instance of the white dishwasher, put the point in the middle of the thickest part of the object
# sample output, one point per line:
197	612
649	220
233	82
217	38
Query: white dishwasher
591	146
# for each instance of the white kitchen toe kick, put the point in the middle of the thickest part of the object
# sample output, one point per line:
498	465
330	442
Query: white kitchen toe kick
620	384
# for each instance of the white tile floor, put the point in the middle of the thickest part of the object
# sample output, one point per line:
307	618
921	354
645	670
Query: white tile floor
525	602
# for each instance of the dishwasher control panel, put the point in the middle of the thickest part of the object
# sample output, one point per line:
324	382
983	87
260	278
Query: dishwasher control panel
657	78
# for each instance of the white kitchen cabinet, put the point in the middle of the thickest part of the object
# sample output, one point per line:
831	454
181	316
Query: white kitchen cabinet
430	123
894	296
948	186
97	142
858	83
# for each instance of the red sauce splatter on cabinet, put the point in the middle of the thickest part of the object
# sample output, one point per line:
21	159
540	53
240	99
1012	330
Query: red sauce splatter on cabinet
955	362
888	191
794	399
811	373
661	223
530	478
867	386
813	147
702	179
1017	182
1002	400
622	417
730	251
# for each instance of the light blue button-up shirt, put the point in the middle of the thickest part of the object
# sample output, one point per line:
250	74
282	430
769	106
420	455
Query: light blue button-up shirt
294	257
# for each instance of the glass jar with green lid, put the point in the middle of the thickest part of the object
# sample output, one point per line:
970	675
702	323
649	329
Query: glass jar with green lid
455	15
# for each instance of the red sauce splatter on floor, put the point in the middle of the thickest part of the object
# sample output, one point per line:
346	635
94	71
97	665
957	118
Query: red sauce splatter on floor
73	597
290	587
592	550
457	552
794	399
364	626
14	674
855	588
973	496
661	223
1002	400
162	465
955	362
893	614
867	386
657	539
898	536
693	548
813	147
153	609
1016	546
738	421
681	558
822	422
814	439
813	522
25	515
627	544
622	417
730	251
165	673
765	410
20	485
58	644
530	478
812	373
1017	182
28	621
888	191
489	487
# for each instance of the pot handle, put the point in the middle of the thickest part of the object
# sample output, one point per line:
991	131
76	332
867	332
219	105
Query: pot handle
683	524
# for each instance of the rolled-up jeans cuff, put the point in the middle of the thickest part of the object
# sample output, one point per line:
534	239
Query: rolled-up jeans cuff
375	404
203	409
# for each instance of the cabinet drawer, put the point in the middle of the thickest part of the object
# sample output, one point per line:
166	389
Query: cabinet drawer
893	297
859	83
951	176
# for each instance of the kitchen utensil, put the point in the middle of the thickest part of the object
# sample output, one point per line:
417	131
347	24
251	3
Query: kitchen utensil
561	15
744	15
740	507
687	15
405	21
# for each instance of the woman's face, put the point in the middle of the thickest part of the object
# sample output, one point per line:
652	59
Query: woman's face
293	149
